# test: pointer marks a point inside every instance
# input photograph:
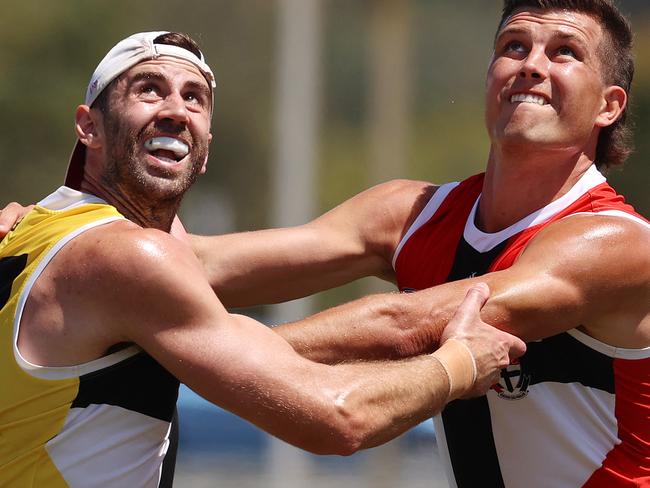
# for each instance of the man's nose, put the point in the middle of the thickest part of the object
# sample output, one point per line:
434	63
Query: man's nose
535	65
174	108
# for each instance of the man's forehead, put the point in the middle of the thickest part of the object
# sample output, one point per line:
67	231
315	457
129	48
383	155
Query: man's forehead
561	20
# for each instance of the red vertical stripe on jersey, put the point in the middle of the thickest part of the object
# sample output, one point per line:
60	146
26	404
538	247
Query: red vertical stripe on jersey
428	255
628	463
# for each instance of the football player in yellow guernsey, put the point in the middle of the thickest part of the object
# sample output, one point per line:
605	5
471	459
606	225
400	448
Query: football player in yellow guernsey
102	312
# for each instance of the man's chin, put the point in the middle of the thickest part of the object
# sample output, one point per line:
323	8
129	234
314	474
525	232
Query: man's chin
157	188
166	188
527	136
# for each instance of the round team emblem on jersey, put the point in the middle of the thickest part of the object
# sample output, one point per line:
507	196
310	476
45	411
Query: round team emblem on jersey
513	383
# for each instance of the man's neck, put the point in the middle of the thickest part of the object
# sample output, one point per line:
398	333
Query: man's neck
517	184
148	214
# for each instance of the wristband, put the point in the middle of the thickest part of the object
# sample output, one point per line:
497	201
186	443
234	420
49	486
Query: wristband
458	362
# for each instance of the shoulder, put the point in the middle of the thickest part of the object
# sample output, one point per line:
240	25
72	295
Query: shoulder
614	232
605	250
123	275
122	250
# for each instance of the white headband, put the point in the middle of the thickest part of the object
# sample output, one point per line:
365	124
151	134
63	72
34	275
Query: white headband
133	50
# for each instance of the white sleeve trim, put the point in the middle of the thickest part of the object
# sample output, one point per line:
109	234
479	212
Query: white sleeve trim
427	212
65	198
608	350
57	373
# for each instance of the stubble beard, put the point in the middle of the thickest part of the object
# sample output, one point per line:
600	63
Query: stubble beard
128	175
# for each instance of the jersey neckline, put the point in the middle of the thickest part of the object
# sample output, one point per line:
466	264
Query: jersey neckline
484	241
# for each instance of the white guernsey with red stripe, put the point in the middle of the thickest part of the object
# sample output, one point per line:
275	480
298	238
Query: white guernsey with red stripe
573	412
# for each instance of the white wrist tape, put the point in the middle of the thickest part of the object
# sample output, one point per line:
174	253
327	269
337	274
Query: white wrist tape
460	366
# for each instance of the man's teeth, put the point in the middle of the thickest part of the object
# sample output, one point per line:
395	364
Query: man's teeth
527	98
179	148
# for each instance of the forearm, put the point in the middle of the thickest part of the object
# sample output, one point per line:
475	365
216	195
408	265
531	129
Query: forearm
383	326
363	405
321	408
398	325
393	396
389	398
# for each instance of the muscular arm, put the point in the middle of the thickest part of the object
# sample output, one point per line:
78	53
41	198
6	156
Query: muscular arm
142	286
591	272
354	240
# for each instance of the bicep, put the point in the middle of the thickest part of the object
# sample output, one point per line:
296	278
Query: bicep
532	302
351	241
275	265
576	273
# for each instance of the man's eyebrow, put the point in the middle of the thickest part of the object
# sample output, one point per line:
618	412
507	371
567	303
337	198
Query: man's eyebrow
199	87
155	75
568	36
512	30
147	75
507	31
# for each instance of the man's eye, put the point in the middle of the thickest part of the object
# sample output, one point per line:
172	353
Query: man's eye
195	99
515	46
566	51
148	89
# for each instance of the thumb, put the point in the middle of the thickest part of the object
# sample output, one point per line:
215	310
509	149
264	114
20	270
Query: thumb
517	348
474	300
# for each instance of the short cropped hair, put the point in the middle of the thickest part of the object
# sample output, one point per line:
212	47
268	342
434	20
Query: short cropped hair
617	65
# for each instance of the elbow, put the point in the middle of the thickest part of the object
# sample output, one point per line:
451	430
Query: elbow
349	429
348	441
343	441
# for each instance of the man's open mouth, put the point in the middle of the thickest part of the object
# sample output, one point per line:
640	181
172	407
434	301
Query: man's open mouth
528	98
167	149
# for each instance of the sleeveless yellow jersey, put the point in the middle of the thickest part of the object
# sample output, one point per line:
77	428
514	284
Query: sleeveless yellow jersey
104	423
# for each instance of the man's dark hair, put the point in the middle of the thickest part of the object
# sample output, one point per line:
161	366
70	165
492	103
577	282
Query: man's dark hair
617	65
181	40
171	38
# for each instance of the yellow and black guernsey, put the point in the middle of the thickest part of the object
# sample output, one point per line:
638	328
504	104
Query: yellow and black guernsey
105	423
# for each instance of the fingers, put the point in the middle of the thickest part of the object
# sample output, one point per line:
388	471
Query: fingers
517	348
475	298
9	215
468	313
470	308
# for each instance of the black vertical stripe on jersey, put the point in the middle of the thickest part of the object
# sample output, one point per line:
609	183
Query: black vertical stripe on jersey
138	383
169	463
469	262
10	268
564	359
470	442
468	427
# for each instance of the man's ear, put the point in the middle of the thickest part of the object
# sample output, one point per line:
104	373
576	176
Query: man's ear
614	103
88	126
204	168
